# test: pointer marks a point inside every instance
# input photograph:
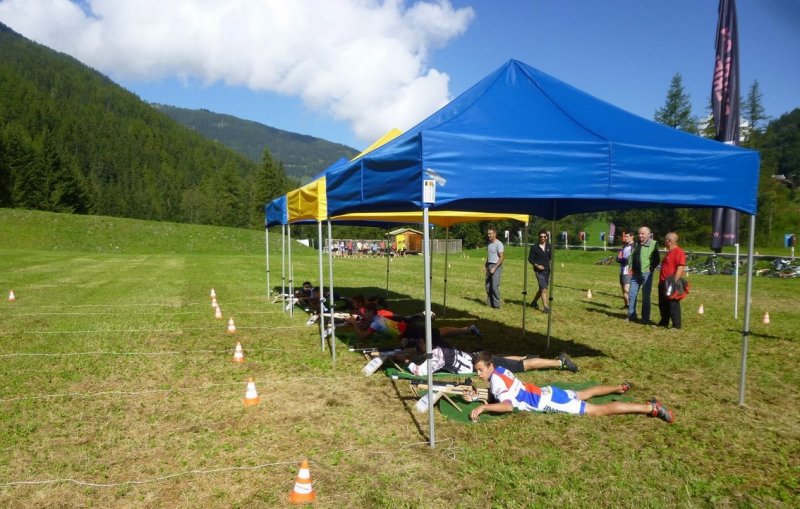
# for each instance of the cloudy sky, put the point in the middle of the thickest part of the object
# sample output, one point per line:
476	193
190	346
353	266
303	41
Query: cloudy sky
349	70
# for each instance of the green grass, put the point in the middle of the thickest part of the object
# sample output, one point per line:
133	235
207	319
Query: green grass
114	372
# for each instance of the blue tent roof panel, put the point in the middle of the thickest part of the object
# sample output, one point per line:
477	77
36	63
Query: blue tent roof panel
521	141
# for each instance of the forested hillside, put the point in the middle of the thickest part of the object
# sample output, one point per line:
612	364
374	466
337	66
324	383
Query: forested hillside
303	157
71	140
778	197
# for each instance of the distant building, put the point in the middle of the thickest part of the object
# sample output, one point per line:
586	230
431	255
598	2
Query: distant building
407	239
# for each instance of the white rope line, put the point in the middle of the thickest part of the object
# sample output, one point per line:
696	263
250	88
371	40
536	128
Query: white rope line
267	380
79	482
116	393
450	451
140	304
90	313
164	352
153	330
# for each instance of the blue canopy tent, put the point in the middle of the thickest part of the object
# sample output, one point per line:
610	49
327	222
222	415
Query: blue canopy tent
522	141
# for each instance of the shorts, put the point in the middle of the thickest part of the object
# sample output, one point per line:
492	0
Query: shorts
512	365
543	278
625	279
556	400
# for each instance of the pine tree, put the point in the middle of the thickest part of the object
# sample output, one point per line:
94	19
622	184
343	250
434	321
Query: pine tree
677	110
269	182
753	112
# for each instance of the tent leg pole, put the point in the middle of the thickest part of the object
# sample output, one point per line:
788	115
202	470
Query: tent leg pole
283	267
266	248
736	285
552	278
388	259
524	277
748	294
291	269
446	251
428	326
322	289
330	289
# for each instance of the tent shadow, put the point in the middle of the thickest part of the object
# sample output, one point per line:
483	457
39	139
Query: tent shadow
619	313
757	335
599	305
404	401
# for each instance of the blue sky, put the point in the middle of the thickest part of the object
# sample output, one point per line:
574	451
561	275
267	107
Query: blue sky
356	69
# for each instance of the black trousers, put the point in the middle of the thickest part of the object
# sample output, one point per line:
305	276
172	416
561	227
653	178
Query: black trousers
669	309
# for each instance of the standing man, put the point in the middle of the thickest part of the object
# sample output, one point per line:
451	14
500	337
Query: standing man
644	260
672	269
493	268
540	257
624	259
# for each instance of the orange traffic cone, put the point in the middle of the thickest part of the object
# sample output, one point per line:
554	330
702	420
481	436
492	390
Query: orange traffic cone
589	294
217	313
251	395
701	310
231	326
213	293
238	355
303	492
214	302
766	318
11	296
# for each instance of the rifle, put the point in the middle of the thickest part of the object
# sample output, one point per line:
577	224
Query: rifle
373	349
442	389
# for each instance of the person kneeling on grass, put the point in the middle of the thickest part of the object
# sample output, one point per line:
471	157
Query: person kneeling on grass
452	360
510	393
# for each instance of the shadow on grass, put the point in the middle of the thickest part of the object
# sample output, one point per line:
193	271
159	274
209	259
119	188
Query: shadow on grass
607	310
404	401
600	305
757	335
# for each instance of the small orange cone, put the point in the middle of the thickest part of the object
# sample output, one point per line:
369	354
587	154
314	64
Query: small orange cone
303	492
701	310
231	326
214	302
213	293
589	294
217	313
251	395
238	355
11	296
766	318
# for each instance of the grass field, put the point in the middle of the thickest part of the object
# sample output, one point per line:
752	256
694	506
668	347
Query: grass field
117	387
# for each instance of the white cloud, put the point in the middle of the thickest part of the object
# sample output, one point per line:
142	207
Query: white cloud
362	61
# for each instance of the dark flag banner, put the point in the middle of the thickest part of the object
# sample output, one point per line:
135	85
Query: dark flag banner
725	106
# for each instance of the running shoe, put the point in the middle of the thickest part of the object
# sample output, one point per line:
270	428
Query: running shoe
475	331
566	363
660	411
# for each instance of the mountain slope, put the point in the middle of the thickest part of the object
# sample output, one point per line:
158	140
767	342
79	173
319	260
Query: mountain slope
302	156
71	140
